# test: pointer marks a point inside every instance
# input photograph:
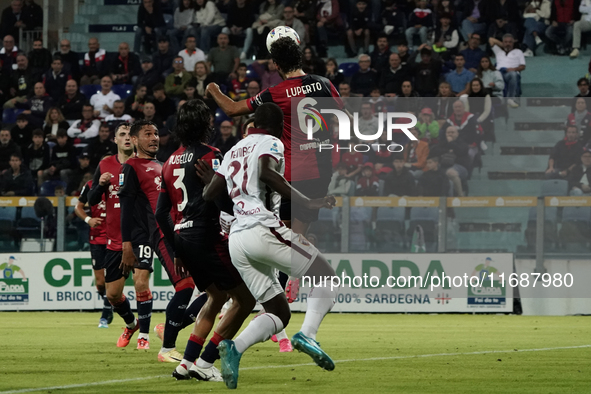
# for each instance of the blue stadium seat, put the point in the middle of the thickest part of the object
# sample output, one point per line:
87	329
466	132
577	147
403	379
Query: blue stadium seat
9	115
251	73
348	69
8	213
220	116
90	90
122	91
390	229
28	220
554	187
48	187
575	233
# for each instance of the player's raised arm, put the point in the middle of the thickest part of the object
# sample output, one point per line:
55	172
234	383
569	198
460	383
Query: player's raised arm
99	186
230	107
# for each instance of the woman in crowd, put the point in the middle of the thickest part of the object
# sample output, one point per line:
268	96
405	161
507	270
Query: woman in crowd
183	18
208	23
479	103
491	79
332	72
54	120
312	64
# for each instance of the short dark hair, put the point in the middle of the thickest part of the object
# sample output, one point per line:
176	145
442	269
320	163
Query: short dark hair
157	87
286	54
17	155
242	65
38	133
581	80
193	123
57	57
426	52
398	156
103	125
571	126
119	102
459	55
22	117
136	126
88	105
141	85
269	117
61	133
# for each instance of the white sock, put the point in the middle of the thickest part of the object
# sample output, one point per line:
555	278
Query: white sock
143	336
186	363
320	302
183	367
166	349
258	330
281	335
201	363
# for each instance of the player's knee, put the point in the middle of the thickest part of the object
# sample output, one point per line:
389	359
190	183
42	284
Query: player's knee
100	287
284	315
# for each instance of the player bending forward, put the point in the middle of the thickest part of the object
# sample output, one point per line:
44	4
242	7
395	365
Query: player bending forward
260	243
139	187
192	226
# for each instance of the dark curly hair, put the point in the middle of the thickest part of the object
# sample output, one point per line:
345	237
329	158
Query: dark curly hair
136	126
192	123
286	54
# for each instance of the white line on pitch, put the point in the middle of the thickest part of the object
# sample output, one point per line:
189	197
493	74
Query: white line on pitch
73	386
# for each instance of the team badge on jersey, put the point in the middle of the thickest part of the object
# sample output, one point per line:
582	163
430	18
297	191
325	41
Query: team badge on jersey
121	179
215	164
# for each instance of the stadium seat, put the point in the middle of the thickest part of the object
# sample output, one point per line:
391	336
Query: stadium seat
550	228
90	90
8	213
48	187
360	231
7	220
9	115
28	220
348	69
251	73
575	233
428	219
390	229
554	187
221	116
122	91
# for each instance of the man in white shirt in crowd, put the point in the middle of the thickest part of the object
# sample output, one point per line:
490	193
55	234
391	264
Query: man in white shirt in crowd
510	62
87	127
103	100
118	116
191	54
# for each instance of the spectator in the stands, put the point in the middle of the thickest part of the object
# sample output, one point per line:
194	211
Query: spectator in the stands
14	19
118	116
22	132
581	26
269	16
420	22
224	58
491	78
433	182
380	55
253	88
460	77
164	57
202	78
579	178
368	124
426	73
191	54
55	80
403	52
311	64
163	104
183	18
328	18
563	15
392	78
510	62
444	103
34	13
365	79
225	140
39	59
359	28
7	148
467	124
17	181
22	82
150	114
101	146
54	121
333	74
477	14
581	118
72	101
125	67
149	75
445	37
505	19
399	182
150	26
583	86
103	100
480	104
94	63
535	16
454	158
237	88
87	127
473	54
176	81
168	143
134	104
565	155
37	154
8	53
69	59
415	154
189	92
427	126
78	173
352	159
445	7
408	100
393	19
238	24
268	74
208	23
63	159
290	20
340	184
368	183
36	106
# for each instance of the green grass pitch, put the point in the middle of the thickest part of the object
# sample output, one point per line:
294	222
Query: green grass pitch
67	353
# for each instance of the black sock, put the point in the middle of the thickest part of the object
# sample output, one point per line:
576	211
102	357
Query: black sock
123	309
210	353
144	310
193	310
175	312
107	307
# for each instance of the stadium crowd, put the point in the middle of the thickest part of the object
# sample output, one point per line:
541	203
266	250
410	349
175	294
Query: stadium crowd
455	64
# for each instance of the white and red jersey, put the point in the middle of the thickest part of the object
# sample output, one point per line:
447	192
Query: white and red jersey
254	202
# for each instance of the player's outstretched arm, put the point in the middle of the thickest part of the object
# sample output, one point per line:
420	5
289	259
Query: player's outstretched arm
276	181
99	186
230	107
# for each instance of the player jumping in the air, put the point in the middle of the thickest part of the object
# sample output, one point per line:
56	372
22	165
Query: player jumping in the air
260	243
106	182
95	217
192	225
139	187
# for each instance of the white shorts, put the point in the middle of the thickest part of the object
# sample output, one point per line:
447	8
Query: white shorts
258	252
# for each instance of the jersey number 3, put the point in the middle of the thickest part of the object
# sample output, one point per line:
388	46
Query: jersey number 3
178	183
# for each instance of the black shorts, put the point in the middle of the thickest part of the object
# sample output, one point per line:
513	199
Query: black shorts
208	260
112	263
312	188
97	254
144	255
